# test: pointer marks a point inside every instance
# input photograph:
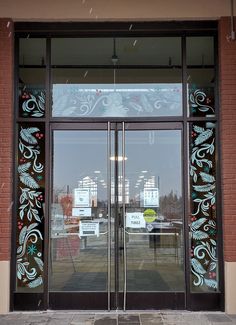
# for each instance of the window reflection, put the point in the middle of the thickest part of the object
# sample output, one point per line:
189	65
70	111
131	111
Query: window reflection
143	80
200	76
153	217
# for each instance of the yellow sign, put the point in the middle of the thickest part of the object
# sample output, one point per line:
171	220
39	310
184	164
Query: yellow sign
149	219
149	215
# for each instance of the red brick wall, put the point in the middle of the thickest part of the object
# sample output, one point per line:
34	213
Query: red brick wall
6	132
227	57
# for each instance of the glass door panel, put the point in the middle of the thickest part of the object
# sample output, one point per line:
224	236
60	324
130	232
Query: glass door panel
154	211
79	212
117	214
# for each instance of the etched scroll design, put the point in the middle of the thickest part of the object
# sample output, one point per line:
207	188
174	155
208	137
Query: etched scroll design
119	102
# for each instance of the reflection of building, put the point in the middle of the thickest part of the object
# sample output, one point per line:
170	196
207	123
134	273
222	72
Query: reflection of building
120	190
92	187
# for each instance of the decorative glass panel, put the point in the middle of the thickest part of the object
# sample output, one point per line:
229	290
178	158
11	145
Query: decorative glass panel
30	205
32	95
200	76
201	101
124	92
32	75
203	225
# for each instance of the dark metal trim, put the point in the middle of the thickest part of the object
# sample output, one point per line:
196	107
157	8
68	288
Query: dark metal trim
117	218
79	126
30	120
219	208
128	126
153	126
130	28
104	66
47	179
15	181
185	178
118	66
154	119
205	301
74	120
79	300
155	300
28	301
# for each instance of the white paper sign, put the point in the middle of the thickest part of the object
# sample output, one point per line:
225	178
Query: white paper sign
81	212
88	229
151	197
135	220
58	223
82	197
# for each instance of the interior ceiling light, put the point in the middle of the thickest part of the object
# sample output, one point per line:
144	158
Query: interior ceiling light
118	158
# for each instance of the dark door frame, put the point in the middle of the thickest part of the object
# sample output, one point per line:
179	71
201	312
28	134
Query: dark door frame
134	300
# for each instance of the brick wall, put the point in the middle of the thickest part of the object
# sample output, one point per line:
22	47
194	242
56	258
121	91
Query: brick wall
227	57
6	133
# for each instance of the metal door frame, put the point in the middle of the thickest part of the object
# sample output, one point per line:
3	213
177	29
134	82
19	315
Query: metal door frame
82	300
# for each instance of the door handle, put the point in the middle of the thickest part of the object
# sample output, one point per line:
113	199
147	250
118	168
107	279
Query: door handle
108	216
123	214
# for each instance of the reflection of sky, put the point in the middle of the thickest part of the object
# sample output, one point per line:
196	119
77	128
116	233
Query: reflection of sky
78	154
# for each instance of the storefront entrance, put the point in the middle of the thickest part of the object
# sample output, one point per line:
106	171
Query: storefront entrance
117	217
117	168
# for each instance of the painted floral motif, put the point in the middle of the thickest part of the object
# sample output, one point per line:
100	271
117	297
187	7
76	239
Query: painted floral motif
201	102
30	206
203	228
158	100
32	103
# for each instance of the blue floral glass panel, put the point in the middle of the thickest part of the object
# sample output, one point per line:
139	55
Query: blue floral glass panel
203	224
32	102
201	102
30	207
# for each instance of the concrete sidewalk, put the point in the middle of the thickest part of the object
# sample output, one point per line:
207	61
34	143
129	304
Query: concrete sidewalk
117	318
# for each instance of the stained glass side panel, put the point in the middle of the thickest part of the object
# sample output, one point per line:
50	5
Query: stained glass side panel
203	224
30	207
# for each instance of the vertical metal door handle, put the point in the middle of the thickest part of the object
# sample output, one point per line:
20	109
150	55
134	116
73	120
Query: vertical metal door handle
109	216
123	206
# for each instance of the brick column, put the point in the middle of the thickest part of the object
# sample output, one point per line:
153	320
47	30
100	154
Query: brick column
6	137
227	60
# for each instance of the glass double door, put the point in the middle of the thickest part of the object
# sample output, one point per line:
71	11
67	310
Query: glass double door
116	229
